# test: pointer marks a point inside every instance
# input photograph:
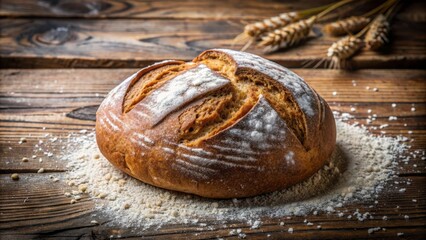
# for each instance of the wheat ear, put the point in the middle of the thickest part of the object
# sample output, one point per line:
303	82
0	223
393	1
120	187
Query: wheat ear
348	25
253	31
342	50
378	33
256	29
287	36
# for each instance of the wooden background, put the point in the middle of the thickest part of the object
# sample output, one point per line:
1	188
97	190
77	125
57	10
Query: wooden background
59	59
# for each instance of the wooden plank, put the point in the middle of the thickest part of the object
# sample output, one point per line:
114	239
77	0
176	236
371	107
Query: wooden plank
179	9
31	208
58	43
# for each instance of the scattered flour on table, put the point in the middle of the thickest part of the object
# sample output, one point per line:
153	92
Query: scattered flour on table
357	171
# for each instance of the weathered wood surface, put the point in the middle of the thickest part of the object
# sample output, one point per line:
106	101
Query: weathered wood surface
65	100
131	42
46	213
179	9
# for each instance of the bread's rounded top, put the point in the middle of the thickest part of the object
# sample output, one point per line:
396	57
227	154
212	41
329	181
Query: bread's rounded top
224	112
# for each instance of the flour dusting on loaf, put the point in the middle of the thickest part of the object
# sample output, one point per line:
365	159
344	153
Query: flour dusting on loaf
180	90
302	92
228	124
260	130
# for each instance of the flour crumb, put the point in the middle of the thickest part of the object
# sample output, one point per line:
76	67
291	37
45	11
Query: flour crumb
256	224
82	188
372	230
15	176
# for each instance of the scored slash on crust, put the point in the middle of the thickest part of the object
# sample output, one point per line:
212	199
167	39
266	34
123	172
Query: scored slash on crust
179	91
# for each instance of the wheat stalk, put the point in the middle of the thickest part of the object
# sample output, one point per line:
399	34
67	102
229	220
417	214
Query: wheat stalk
287	36
342	50
348	25
256	29
252	32
378	33
296	32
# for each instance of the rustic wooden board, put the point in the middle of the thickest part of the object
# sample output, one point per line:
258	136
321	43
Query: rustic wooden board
65	42
178	9
182	9
65	100
46	213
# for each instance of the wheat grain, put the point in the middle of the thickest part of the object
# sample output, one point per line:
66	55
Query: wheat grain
342	50
287	36
15	176
348	25
378	33
256	29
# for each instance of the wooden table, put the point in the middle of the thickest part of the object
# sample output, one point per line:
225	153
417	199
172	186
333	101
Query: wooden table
60	58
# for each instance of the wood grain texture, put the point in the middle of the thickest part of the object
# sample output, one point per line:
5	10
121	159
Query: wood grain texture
32	209
179	9
58	43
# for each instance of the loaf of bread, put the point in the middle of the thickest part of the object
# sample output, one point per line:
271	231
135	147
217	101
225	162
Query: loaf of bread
228	124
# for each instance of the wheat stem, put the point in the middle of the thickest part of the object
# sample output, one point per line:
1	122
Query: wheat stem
313	11
332	8
376	10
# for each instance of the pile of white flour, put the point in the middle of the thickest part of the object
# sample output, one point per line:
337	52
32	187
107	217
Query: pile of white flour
357	171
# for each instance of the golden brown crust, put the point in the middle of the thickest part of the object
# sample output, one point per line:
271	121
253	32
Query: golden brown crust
228	124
